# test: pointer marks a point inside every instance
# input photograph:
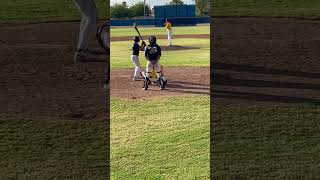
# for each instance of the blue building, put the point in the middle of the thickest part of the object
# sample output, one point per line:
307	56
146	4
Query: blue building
179	15
174	11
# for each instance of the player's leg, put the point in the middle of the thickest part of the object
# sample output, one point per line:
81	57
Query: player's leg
147	75
169	37
161	80
137	69
88	27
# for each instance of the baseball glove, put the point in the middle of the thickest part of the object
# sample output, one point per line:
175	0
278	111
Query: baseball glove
103	36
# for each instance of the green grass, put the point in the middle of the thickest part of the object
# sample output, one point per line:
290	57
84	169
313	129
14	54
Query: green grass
160	138
52	149
35	11
147	31
268	142
197	57
121	54
269	8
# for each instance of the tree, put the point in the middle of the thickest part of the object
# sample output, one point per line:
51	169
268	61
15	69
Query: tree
176	2
137	10
203	7
120	11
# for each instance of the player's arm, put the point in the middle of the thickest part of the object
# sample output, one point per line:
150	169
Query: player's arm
159	53
158	57
143	45
135	47
146	54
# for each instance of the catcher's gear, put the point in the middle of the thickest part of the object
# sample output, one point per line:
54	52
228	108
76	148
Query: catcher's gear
144	44
153	73
146	83
161	82
152	53
152	40
136	39
103	36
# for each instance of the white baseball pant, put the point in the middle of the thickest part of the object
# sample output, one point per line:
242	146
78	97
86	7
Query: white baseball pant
156	67
169	37
137	66
88	25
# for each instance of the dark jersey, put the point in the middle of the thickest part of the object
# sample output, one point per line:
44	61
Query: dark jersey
152	52
135	49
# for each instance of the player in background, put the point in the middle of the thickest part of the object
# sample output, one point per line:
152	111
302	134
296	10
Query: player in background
168	26
153	55
88	30
136	48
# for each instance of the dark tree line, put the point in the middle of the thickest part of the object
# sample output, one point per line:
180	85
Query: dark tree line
120	11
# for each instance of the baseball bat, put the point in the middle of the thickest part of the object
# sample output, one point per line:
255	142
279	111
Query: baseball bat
136	28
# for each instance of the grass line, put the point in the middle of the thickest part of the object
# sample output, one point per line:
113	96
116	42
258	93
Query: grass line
160	142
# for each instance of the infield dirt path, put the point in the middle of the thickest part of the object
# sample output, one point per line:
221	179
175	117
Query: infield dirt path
259	60
263	61
181	81
38	76
194	36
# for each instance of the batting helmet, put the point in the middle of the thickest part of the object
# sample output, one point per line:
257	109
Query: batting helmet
152	40
136	39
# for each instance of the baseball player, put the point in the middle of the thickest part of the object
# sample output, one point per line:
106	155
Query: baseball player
153	55
136	48
168	26
88	29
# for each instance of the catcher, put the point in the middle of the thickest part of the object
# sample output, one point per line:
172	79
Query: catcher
153	55
136	48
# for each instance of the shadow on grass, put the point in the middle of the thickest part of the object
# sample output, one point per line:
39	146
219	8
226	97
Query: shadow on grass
263	70
188	88
263	97
243	84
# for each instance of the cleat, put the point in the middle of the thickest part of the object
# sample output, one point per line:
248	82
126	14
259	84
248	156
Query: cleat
137	78
161	82
97	51
86	56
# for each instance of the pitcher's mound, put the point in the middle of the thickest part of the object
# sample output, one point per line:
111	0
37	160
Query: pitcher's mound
177	48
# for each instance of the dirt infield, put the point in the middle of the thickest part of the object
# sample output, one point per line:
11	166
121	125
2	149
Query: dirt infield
196	36
264	61
38	76
259	60
181	81
177	48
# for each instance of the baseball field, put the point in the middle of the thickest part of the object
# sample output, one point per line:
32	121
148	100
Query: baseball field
161	134
53	111
266	89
